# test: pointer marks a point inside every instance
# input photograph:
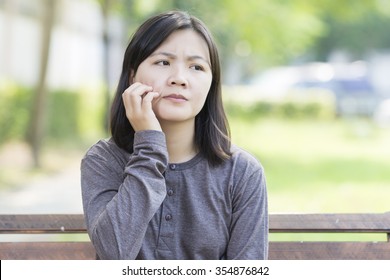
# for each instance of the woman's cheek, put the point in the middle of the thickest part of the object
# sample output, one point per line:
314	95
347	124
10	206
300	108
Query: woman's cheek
156	87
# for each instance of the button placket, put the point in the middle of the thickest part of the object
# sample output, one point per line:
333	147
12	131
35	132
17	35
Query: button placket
167	227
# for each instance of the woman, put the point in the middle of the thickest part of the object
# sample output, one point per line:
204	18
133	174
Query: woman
168	184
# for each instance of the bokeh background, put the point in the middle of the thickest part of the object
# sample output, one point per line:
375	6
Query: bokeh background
306	89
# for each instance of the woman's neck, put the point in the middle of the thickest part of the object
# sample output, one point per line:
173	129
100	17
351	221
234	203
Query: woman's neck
180	139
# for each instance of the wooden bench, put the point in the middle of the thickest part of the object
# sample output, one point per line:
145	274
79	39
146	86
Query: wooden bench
279	223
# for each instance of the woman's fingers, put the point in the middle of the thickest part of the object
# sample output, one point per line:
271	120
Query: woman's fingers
137	100
148	98
132	97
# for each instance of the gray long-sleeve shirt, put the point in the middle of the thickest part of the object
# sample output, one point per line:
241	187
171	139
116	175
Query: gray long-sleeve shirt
138	206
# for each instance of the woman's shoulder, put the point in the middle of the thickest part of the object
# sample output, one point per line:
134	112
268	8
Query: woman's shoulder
106	149
242	167
242	159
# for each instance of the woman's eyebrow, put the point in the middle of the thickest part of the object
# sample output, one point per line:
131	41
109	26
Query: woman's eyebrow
172	55
168	54
195	57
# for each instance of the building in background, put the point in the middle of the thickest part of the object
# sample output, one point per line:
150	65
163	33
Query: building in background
76	50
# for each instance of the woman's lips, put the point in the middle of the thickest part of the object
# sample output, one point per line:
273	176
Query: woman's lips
175	97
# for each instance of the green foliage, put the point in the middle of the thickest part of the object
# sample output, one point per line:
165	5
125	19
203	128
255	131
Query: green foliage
75	116
62	118
14	111
272	31
284	109
252	103
71	116
91	114
275	31
263	33
347	35
348	10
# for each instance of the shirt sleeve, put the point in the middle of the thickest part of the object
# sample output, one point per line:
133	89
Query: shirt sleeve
249	228
119	203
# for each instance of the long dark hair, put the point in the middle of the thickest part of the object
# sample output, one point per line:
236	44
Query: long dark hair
212	134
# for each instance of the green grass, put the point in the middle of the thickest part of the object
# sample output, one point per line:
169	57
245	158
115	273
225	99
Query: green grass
315	166
320	166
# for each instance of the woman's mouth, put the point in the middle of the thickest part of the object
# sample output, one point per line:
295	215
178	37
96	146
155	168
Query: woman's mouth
175	97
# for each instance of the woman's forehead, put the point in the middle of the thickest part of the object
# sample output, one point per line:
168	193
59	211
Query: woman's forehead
186	41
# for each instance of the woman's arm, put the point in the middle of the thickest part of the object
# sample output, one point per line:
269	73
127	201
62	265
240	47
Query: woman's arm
249	228
118	204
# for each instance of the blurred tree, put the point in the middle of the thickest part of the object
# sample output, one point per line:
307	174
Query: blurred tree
358	34
106	6
127	11
38	111
253	34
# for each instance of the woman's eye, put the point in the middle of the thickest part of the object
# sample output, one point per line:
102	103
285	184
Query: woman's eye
197	67
162	63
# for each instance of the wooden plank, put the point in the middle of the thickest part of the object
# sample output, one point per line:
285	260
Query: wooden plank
277	251
362	223
74	223
60	223
288	223
47	251
329	251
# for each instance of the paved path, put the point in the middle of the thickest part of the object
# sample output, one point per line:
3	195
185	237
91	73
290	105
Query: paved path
57	194
52	192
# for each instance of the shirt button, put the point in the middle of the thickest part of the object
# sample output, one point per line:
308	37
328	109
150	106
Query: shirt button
173	166
168	217
170	192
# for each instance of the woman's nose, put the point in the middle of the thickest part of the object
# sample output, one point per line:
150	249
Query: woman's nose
178	78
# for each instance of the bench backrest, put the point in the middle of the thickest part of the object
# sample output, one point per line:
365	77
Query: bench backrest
279	223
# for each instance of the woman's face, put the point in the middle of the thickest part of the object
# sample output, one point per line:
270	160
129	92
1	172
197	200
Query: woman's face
180	71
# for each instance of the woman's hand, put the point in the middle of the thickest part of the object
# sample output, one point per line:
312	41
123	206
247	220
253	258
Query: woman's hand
138	99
